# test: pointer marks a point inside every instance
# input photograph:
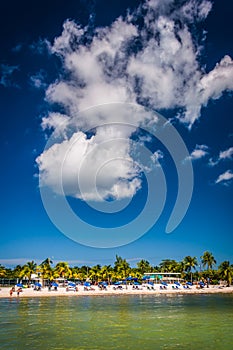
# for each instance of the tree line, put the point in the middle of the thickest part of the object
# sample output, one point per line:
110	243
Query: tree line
189	268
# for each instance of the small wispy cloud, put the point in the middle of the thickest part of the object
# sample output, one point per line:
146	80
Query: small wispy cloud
17	48
6	72
226	154
225	178
199	152
223	155
38	80
41	47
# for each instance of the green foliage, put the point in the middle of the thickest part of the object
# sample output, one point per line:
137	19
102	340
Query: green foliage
208	260
28	269
189	263
144	266
122	269
226	272
2	271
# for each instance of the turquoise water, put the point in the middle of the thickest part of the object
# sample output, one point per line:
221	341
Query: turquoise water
117	322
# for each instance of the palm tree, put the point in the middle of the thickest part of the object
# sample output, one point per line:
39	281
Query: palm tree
117	262
107	272
2	271
84	271
208	260
143	266
28	269
46	270
189	263
77	273
16	272
94	273
136	273
47	262
121	267
226	272
62	270
124	269
168	265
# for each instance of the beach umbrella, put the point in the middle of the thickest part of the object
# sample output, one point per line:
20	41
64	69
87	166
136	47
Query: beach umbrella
146	277
136	283
164	283
189	283
151	283
177	283
103	283
54	284
117	283
87	284
19	285
37	284
71	284
129	278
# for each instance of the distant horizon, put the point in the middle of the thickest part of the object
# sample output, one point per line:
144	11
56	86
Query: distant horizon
132	261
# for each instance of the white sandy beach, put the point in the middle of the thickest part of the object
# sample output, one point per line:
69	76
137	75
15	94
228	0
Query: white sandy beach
44	292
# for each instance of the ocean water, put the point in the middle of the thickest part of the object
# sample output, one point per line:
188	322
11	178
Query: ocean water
117	322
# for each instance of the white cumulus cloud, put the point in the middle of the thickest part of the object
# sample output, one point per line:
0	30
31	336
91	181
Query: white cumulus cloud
225	177
150	58
90	169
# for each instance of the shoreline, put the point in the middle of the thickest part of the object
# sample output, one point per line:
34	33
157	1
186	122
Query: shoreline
61	292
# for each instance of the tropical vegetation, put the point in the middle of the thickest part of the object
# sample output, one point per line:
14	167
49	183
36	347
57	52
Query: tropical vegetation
188	267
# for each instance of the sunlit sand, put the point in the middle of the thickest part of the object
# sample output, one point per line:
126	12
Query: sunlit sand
44	292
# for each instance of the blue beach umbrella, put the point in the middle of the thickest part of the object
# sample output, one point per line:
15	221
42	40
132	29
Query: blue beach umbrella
146	278
177	283
19	285
71	284
189	283
136	283
37	284
54	284
87	284
164	283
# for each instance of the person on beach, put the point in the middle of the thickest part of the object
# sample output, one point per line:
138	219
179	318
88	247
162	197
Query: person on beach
18	291
11	292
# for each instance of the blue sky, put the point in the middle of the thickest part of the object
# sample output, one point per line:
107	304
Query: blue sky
68	74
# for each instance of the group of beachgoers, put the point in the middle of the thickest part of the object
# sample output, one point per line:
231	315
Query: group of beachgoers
15	290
